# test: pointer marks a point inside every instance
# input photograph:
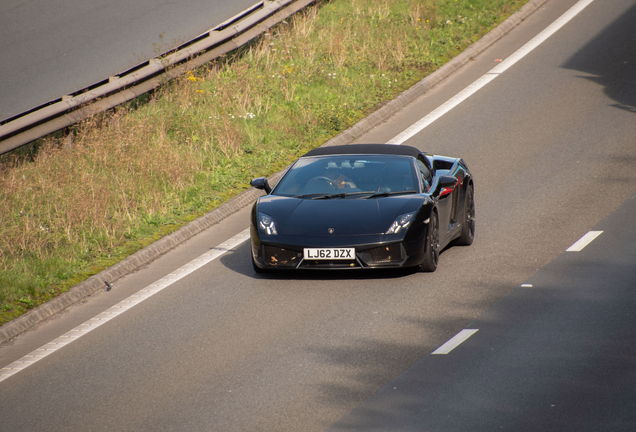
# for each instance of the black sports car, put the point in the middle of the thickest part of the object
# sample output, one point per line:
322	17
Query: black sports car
363	206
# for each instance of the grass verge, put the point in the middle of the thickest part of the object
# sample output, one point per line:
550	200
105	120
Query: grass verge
73	204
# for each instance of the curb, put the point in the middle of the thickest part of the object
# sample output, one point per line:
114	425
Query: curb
150	253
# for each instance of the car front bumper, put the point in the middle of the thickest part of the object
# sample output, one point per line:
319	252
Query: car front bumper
371	252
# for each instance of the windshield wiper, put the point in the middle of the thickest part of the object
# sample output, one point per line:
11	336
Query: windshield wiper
342	195
384	194
311	195
317	196
329	196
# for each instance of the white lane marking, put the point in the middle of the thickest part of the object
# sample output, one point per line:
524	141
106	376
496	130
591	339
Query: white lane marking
584	241
123	306
541	37
455	341
526	285
491	75
425	121
154	288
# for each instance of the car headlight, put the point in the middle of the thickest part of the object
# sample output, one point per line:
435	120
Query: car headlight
401	223
266	223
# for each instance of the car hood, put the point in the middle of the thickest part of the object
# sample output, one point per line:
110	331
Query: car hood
345	217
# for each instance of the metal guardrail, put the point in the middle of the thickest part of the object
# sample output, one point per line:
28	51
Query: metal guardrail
68	110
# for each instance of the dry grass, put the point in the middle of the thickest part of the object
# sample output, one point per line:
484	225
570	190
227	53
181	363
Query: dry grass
134	174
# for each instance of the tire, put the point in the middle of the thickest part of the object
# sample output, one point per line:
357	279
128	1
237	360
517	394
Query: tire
468	226
431	246
257	269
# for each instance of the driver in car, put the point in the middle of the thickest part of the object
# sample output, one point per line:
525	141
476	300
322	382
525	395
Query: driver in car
333	172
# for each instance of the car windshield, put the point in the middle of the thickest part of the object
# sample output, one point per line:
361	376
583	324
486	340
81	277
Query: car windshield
348	176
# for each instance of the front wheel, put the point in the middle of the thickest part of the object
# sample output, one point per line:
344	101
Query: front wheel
431	246
258	269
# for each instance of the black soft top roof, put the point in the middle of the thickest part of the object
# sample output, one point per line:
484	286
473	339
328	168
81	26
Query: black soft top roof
387	149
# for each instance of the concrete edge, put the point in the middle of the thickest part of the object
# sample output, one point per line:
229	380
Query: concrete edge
150	253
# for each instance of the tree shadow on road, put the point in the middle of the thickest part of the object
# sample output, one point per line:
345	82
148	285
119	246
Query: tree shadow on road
611	58
519	372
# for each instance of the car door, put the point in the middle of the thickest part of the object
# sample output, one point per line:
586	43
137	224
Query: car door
447	202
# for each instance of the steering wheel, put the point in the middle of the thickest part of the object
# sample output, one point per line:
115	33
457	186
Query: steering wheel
323	180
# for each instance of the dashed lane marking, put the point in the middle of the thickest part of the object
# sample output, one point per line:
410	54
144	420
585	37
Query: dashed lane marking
584	241
455	341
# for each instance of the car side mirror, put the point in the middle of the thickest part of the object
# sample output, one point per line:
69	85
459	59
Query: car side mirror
446	185
261	183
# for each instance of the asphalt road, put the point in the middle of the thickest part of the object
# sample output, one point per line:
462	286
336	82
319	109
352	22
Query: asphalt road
552	145
50	49
556	354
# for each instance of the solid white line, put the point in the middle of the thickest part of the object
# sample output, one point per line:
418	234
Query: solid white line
455	341
441	110
584	241
185	270
122	306
541	37
491	75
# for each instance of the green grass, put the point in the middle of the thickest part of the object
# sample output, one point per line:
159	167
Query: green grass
142	170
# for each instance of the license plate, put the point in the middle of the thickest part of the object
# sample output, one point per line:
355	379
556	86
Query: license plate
330	253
